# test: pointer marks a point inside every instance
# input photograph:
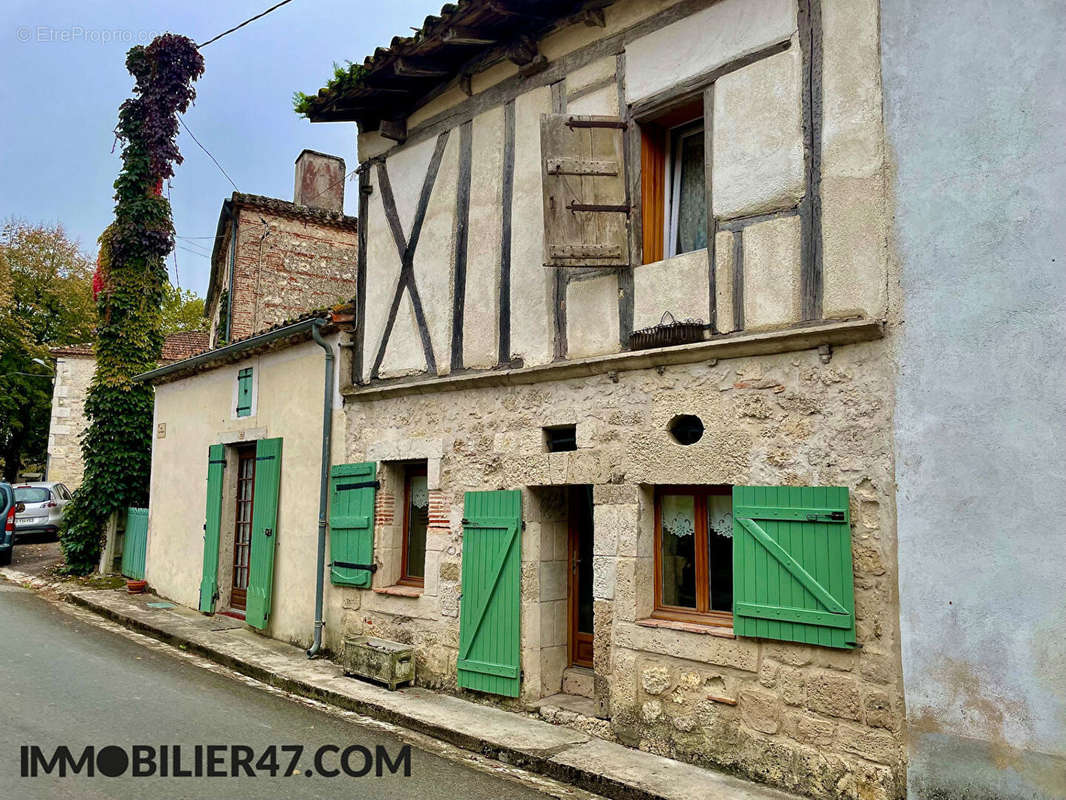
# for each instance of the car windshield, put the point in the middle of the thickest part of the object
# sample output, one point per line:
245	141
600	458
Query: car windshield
31	494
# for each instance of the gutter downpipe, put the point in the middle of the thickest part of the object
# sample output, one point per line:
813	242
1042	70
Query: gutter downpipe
323	487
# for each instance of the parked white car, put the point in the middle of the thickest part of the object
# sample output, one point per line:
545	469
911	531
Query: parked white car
44	503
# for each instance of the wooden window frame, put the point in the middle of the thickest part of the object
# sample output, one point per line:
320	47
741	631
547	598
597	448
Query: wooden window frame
656	184
703	613
410	471
245	454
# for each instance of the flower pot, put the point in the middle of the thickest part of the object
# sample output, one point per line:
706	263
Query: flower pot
136	587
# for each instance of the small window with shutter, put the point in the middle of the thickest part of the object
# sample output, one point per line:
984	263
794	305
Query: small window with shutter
244	392
586	205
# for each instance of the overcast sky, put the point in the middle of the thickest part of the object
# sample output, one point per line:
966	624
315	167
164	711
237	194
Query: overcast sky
62	78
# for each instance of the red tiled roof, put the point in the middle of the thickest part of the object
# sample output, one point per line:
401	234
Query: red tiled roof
73	350
184	344
175	347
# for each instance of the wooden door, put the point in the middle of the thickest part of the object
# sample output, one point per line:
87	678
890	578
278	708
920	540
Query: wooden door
242	529
580	582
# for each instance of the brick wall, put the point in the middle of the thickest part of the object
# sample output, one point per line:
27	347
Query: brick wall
299	265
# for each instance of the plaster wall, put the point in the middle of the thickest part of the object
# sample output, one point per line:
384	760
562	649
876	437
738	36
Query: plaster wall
68	422
705	40
197	412
974	128
758	169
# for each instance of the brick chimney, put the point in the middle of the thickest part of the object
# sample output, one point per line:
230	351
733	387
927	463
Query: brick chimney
319	181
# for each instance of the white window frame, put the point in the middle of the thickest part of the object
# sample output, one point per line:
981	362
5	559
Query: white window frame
672	184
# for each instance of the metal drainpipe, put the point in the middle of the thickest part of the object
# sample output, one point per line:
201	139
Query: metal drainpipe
323	485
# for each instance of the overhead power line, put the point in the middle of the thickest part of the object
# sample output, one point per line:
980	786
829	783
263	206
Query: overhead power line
238	27
220	169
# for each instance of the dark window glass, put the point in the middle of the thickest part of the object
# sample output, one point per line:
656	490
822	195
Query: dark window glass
416	524
689	206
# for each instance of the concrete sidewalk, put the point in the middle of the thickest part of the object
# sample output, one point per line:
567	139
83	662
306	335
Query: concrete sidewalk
567	755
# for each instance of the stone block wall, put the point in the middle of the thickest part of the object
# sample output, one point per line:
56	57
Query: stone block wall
826	723
68	423
286	267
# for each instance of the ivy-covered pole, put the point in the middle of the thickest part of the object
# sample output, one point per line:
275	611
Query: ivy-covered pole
131	278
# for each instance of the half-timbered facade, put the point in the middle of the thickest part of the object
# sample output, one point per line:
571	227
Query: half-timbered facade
619	390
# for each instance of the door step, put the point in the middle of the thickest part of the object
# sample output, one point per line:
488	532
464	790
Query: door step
579	681
573	711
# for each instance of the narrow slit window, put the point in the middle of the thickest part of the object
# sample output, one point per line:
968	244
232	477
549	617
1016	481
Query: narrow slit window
244	392
560	438
415	525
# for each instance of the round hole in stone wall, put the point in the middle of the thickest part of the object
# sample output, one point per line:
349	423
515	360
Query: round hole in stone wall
686	429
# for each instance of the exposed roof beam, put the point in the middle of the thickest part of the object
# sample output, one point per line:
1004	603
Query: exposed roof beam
522	50
413	68
395	129
457	35
504	9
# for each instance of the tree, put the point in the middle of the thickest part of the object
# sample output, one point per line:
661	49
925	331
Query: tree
45	289
133	280
183	310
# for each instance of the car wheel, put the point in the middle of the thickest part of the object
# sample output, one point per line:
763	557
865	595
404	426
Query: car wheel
5	557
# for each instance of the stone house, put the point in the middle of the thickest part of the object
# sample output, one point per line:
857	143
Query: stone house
74	368
273	260
614	409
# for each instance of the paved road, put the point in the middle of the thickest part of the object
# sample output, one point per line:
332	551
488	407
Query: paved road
65	682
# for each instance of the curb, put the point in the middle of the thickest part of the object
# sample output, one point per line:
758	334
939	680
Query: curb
586	763
534	761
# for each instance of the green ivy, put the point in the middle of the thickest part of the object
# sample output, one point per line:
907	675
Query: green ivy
133	250
349	76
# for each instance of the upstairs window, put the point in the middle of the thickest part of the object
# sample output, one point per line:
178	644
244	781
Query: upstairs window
244	392
673	182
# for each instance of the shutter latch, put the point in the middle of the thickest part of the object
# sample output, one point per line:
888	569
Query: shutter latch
832	516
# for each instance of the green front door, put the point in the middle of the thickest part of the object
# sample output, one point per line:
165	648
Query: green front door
264	531
489	615
216	467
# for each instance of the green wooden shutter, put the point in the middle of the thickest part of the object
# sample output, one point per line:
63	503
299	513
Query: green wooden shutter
244	392
491	600
135	543
264	531
792	574
216	466
351	523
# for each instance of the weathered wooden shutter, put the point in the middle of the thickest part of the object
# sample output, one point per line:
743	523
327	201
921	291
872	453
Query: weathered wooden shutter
264	531
216	466
351	523
489	612
792	573
586	208
244	392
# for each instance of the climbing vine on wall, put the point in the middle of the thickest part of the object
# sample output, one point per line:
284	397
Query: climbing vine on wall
133	250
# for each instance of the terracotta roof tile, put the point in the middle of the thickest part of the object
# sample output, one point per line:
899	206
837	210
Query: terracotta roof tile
175	347
184	344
